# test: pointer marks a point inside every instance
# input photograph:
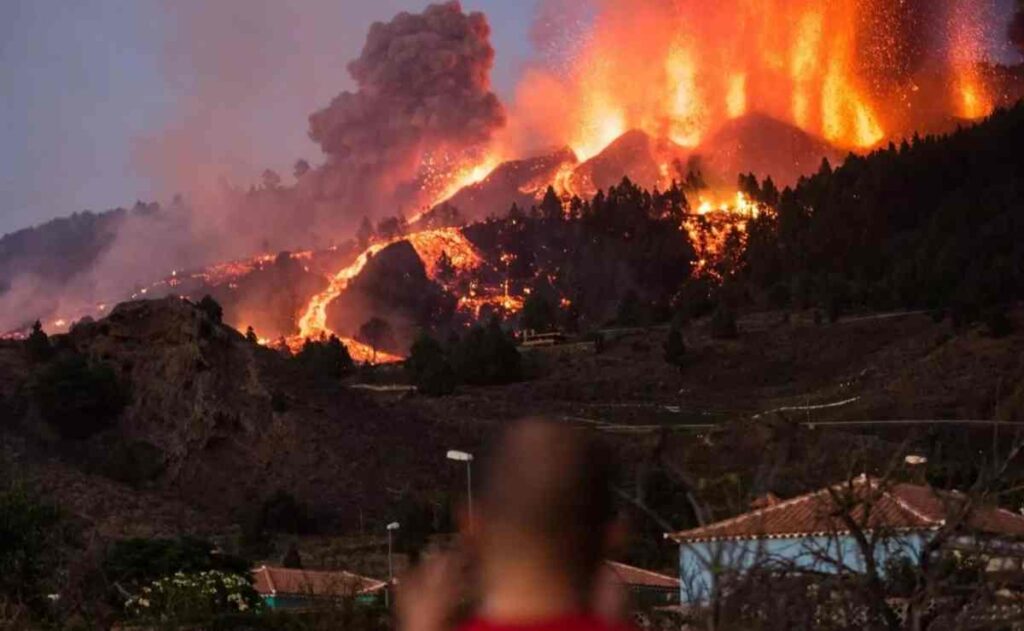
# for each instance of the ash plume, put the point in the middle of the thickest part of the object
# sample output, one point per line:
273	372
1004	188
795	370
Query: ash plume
423	87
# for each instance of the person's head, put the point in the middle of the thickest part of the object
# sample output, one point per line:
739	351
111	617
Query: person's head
546	505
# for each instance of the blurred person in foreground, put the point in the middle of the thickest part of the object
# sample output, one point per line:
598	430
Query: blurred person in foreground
534	549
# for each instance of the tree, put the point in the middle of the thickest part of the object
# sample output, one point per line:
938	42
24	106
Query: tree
79	399
38	344
211	308
444	270
486	355
325	358
365	234
377	333
429	368
250	336
389	228
292	559
675	348
271	180
551	206
540	310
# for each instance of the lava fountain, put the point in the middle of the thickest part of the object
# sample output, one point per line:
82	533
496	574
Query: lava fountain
850	71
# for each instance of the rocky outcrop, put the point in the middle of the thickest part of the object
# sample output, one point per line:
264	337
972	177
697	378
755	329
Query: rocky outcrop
219	424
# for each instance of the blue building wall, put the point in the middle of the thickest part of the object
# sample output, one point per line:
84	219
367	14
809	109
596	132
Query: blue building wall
701	563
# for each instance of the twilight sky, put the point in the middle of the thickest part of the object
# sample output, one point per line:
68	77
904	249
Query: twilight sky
88	84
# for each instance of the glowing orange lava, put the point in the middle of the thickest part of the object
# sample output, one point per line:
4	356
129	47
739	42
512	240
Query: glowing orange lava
680	69
429	244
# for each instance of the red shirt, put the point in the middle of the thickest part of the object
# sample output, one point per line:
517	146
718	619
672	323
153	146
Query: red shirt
577	622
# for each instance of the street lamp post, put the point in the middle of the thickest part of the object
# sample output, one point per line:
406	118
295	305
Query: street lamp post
462	456
393	526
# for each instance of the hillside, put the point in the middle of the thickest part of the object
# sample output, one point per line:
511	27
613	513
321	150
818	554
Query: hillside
220	424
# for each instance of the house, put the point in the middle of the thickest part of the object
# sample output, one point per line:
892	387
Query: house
646	588
817	532
285	588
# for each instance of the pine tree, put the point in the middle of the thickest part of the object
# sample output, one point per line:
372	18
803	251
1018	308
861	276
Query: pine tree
444	269
38	343
365	233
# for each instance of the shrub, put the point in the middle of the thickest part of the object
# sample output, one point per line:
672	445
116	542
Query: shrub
38	344
540	311
325	357
377	333
429	368
211	308
194	597
487	356
78	399
33	534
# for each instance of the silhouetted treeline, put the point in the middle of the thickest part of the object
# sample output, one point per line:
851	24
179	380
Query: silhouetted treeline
933	223
936	222
587	256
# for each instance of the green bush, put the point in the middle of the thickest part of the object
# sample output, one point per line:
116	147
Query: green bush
194	597
77	398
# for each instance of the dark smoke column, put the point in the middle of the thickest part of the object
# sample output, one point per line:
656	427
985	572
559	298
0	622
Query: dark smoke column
423	87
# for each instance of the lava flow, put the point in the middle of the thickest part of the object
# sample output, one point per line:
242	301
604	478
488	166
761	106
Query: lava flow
429	245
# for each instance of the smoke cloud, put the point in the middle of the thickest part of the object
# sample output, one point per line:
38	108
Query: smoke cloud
423	95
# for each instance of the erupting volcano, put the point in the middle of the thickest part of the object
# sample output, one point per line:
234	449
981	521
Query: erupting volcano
665	93
853	72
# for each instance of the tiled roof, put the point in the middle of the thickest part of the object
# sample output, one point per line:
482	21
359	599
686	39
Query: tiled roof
871	504
270	581
639	577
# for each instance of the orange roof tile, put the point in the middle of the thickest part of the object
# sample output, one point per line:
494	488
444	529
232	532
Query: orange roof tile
869	503
269	581
639	577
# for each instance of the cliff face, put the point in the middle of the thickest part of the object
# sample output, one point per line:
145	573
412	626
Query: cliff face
221	423
194	383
